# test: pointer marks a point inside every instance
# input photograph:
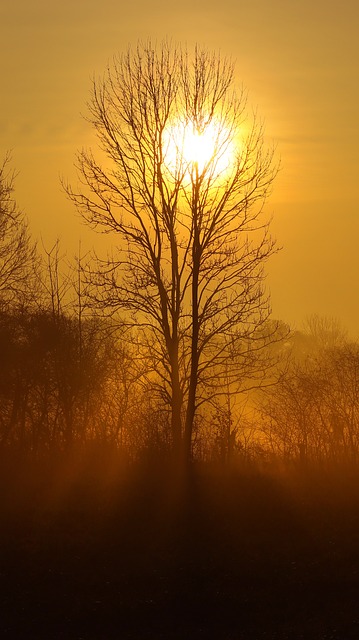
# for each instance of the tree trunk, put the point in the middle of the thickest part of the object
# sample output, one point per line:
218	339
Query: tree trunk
176	410
192	392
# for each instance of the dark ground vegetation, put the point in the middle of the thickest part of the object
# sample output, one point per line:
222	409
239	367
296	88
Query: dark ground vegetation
93	550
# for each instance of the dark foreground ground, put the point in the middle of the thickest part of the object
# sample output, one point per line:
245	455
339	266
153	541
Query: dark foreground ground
88	555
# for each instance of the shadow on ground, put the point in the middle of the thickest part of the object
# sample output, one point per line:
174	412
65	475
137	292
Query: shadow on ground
233	556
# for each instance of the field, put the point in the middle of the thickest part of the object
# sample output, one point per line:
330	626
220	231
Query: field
90	552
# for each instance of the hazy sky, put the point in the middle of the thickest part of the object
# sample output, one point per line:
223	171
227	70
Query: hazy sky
299	61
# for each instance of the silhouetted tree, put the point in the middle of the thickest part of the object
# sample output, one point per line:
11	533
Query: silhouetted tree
18	257
312	414
187	271
53	393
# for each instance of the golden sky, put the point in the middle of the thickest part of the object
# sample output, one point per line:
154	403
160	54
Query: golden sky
299	61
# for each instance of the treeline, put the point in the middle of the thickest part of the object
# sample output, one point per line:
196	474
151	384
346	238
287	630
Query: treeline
68	381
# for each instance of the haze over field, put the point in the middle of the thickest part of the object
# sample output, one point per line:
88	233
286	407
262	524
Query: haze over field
298	61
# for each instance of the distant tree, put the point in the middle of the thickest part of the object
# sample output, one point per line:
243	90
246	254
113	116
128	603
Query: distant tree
182	186
325	332
312	414
18	257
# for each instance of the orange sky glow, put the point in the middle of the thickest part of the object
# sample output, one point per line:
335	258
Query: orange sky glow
299	63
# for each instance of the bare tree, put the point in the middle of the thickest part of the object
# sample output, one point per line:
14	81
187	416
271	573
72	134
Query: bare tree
17	251
325	332
182	186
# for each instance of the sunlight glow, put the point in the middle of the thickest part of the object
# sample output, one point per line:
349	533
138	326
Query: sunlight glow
209	150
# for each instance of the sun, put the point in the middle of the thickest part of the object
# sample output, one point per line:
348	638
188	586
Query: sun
206	150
